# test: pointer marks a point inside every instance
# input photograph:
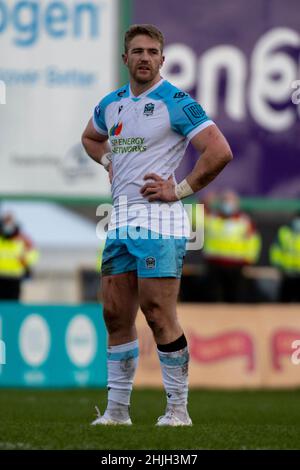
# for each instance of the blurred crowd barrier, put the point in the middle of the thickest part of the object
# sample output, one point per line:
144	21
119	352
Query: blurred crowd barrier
235	346
52	346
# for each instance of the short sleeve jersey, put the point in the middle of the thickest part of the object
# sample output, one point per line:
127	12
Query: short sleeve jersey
148	134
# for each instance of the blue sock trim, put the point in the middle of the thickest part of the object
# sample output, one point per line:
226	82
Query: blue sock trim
121	356
174	361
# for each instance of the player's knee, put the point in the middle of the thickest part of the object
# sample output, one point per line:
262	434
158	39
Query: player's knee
158	328
153	315
113	320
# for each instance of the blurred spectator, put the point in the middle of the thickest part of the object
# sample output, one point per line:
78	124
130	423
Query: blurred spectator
231	242
210	201
17	256
285	254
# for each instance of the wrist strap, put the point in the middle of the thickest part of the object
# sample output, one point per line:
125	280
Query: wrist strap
106	160
183	189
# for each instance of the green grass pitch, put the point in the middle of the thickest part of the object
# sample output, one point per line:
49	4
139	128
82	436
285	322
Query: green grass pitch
52	419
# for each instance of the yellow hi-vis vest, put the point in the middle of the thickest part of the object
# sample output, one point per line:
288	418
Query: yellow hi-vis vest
15	257
230	239
99	260
285	254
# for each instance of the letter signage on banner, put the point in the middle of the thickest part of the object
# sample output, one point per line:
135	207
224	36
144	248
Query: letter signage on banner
243	67
57	60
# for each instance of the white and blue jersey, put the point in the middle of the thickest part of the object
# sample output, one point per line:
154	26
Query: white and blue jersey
148	134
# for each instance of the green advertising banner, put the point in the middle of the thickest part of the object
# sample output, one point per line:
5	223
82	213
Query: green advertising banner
52	346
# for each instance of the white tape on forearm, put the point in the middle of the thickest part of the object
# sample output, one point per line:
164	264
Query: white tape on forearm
106	160
183	189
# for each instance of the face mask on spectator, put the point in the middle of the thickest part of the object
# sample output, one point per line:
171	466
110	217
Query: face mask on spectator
228	208
296	225
8	229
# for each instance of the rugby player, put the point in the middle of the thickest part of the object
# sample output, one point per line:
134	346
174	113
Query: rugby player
139	133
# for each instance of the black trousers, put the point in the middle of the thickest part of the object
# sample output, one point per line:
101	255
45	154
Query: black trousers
10	288
290	289
226	283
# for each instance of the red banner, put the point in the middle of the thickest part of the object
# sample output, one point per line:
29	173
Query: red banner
220	347
231	346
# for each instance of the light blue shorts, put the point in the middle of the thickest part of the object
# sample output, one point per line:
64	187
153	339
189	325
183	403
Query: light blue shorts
149	253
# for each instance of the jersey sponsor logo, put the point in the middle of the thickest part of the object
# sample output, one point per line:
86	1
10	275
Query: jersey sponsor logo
128	145
150	262
116	129
194	112
121	93
148	109
180	94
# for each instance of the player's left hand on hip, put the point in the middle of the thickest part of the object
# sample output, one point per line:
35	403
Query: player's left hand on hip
159	189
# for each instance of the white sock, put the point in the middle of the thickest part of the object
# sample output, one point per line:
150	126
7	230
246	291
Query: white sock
174	367
122	361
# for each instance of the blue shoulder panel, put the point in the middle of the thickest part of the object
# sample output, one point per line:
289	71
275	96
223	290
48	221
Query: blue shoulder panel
99	111
185	113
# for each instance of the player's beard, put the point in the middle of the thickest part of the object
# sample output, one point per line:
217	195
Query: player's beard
139	78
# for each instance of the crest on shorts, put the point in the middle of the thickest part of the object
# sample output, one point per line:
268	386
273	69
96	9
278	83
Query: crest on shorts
148	109
150	262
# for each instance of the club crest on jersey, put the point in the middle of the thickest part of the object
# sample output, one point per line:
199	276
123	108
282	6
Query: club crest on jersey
150	262
116	129
148	109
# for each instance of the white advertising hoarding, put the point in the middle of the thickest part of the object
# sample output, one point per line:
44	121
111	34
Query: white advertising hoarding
57	60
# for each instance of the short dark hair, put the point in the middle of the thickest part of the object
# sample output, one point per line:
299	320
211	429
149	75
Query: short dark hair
146	29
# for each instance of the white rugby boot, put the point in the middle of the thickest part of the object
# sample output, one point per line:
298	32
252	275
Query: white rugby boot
175	416
111	417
